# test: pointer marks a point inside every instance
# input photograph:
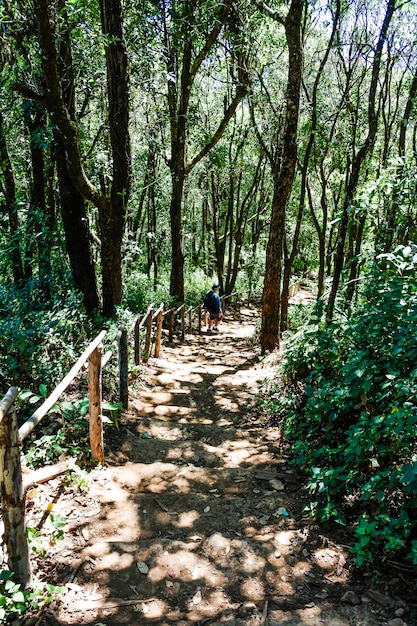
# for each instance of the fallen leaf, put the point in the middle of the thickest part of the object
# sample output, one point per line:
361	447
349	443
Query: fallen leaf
197	597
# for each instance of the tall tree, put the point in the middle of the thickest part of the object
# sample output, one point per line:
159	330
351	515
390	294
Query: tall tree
313	102
9	192
187	45
73	206
360	157
112	204
283	162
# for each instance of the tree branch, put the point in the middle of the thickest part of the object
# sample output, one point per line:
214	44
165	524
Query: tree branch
240	94
28	93
266	10
58	112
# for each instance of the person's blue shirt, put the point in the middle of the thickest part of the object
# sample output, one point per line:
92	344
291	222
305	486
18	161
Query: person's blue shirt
217	305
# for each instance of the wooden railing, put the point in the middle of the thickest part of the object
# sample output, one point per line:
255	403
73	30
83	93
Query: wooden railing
147	332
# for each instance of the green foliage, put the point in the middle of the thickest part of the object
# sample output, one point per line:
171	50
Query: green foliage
351	410
41	542
39	339
139	292
14	601
45	450
71	438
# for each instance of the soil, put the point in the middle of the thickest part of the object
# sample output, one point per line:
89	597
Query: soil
197	517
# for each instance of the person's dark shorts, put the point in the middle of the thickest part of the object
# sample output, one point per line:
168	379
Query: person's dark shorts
215	316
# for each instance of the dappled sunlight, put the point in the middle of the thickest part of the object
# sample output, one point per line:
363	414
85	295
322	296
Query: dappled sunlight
187	519
194	526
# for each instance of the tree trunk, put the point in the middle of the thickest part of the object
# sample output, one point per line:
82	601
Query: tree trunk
183	64
289	261
77	233
175	212
111	210
73	209
36	122
13	498
112	223
270	329
11	206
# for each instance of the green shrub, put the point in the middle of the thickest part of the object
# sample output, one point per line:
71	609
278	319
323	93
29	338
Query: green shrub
14	601
353	414
39	339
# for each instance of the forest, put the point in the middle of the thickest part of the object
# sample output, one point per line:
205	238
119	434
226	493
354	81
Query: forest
149	148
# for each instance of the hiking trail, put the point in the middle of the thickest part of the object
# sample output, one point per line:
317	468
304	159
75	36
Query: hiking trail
197	517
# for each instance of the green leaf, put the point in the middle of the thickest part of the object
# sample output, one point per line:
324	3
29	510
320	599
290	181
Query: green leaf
19	597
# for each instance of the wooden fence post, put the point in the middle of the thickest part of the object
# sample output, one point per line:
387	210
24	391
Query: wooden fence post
171	325
183	322
159	320
148	334
12	491
200	313
123	369
137	342
94	393
190	320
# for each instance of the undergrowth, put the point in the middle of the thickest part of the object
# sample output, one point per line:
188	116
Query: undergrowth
350	411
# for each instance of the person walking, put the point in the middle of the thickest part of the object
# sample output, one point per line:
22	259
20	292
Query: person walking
213	307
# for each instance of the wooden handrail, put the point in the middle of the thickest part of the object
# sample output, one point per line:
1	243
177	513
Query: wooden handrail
30	424
13	489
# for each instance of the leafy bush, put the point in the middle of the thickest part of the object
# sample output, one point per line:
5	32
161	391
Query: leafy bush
351	410
14	601
39	339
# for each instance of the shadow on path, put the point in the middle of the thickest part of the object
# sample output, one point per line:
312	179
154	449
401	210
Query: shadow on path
198	518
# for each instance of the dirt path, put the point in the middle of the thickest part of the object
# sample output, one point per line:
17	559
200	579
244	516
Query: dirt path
198	517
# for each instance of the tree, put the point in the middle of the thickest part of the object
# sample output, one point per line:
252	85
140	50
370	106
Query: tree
110	203
283	162
187	43
359	158
313	102
9	192
72	203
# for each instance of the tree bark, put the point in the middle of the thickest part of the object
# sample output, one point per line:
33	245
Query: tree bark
183	65
13	499
283	181
289	261
11	206
73	208
40	217
112	223
112	209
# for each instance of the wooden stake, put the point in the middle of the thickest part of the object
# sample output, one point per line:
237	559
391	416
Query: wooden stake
137	342
94	393
12	492
159	321
148	334
123	369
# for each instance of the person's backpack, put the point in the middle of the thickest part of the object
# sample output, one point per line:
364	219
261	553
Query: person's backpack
209	300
